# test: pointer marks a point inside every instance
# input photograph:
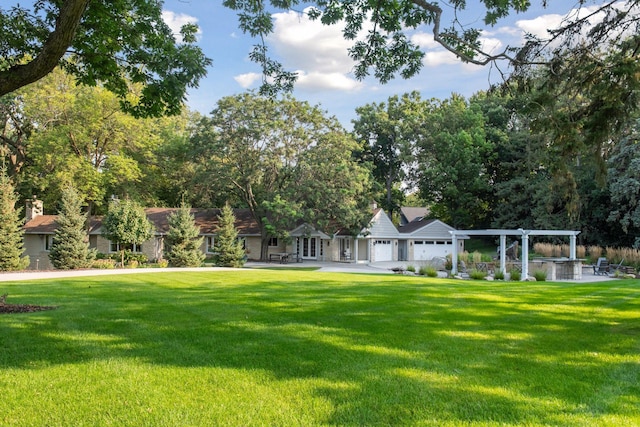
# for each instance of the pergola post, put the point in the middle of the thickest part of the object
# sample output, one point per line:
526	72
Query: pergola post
503	253
525	255
454	253
572	246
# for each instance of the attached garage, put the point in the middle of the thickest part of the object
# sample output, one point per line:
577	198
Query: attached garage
383	250
424	250
428	239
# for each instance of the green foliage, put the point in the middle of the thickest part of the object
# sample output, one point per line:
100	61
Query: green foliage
183	239
70	246
540	275
387	133
498	275
515	275
106	43
230	252
411	268
103	264
126	223
296	164
450	152
428	271
11	233
477	274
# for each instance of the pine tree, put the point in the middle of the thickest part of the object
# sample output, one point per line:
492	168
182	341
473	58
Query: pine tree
227	245
183	239
70	246
11	232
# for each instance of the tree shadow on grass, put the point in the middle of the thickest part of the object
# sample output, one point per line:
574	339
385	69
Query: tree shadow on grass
409	350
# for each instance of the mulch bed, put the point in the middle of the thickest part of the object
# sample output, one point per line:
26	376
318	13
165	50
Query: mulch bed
21	308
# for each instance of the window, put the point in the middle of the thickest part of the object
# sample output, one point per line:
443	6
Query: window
273	241
48	242
210	244
117	247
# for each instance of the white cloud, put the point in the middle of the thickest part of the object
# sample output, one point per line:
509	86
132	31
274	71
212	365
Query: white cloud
247	79
318	51
317	81
175	21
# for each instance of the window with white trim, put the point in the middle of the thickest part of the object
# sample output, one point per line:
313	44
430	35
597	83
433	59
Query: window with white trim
117	247
211	244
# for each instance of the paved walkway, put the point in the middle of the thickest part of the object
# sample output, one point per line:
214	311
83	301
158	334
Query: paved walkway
375	268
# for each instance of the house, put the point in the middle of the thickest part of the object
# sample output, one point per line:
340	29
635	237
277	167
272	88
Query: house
380	241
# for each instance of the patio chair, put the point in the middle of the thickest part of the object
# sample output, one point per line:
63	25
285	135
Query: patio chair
601	267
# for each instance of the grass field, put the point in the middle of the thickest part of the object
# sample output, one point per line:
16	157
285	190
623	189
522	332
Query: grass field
304	348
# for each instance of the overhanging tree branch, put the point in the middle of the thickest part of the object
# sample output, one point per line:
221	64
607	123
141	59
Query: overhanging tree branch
53	49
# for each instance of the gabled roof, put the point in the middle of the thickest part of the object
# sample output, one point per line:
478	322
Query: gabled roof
409	214
304	230
381	226
427	228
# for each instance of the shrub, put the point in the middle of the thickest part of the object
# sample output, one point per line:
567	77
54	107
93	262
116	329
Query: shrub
103	264
411	268
540	275
515	275
498	275
428	271
162	263
476	257
477	274
133	264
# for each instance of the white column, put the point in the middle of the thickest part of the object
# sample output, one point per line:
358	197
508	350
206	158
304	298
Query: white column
572	246
355	249
454	254
525	255
503	253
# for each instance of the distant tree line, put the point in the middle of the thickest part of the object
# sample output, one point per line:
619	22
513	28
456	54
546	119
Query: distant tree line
531	153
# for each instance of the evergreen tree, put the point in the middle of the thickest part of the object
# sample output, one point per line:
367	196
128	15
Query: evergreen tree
11	232
70	246
183	239
229	248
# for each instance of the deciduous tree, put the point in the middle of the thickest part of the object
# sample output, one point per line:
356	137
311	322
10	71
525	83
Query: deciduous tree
126	224
112	43
262	150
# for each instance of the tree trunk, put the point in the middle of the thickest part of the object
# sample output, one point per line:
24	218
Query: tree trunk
54	48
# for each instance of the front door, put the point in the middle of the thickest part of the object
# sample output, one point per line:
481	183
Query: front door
309	248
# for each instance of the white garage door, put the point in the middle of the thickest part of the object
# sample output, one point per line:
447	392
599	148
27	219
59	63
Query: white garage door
424	250
383	250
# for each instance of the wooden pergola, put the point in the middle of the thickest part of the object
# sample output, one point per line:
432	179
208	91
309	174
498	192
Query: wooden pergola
524	234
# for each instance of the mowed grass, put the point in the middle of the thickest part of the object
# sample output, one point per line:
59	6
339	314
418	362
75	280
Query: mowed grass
300	348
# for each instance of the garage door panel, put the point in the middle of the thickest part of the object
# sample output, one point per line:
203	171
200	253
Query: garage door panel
383	250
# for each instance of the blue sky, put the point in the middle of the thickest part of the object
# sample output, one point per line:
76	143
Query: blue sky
319	54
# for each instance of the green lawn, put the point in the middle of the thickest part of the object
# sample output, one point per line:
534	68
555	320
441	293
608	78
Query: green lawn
301	348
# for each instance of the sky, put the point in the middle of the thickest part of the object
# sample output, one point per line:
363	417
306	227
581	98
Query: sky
319	54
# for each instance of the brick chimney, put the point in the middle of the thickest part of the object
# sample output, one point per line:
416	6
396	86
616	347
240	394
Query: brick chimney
33	209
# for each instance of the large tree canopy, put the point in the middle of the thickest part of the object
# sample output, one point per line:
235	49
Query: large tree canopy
115	43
